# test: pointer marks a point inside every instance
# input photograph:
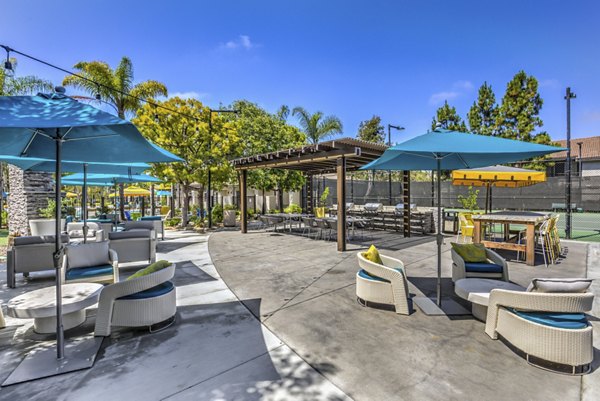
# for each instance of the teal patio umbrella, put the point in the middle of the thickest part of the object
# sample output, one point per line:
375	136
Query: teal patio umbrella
450	150
56	127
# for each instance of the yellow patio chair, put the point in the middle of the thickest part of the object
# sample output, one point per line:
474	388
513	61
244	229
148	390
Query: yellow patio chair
466	226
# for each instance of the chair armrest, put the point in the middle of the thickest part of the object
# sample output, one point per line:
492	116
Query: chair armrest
114	260
499	260
459	270
534	301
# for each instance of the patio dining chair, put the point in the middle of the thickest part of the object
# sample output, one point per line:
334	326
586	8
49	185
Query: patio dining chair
465	227
308	225
322	226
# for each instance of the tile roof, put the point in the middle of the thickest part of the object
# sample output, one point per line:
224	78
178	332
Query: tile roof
590	148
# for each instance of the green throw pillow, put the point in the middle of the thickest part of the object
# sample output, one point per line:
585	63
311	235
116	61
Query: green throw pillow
471	253
373	255
154	267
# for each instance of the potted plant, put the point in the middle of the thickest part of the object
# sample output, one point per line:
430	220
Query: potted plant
322	209
47	224
229	215
469	202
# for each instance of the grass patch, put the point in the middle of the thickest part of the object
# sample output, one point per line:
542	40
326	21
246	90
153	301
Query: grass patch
3	237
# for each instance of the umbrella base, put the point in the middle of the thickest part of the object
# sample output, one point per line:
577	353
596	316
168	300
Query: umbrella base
449	307
42	362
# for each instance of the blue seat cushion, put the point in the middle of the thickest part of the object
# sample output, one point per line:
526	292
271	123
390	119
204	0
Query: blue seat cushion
363	273
150	218
572	321
483	268
155	291
89	272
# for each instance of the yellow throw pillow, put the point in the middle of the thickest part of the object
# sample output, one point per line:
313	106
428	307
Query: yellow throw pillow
471	253
154	267
373	255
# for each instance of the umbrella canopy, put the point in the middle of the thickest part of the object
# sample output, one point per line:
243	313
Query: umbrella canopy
56	127
451	150
47	165
497	176
30	126
109	179
136	191
163	193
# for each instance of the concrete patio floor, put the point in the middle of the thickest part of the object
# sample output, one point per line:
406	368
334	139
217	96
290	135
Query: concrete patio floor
307	298
215	350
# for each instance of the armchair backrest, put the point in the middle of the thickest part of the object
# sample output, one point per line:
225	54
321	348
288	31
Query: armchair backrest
87	255
33	253
138	225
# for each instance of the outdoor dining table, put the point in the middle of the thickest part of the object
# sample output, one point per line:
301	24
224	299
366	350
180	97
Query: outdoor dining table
350	221
530	219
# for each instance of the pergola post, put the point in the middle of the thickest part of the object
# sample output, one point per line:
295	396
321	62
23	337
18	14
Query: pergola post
244	201
406	201
309	194
341	209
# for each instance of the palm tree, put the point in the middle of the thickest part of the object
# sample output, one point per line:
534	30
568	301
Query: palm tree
115	87
13	86
315	126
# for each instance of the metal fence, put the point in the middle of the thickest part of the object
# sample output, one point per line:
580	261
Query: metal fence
548	196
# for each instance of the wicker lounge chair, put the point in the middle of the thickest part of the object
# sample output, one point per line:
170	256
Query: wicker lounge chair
383	284
30	254
534	322
93	262
142	301
495	268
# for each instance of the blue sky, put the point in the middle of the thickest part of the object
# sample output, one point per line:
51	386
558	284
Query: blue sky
353	59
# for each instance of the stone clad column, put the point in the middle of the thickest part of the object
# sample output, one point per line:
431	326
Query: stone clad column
29	192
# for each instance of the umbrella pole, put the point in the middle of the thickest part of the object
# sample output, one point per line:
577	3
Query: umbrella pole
439	236
84	203
60	338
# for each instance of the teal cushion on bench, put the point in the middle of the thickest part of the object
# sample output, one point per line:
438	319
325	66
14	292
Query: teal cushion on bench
88	272
572	321
363	273
483	268
150	218
155	291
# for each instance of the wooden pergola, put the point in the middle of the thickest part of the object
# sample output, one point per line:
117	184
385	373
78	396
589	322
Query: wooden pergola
337	156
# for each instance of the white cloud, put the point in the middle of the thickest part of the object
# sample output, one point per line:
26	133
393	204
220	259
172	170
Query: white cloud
440	97
463	85
242	42
189	95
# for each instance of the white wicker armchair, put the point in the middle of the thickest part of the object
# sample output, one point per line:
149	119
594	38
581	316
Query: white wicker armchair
460	270
571	347
114	309
387	283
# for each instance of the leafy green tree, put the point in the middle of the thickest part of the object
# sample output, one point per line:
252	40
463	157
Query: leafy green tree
186	134
518	115
264	132
116	86
483	114
11	85
371	130
316	126
447	117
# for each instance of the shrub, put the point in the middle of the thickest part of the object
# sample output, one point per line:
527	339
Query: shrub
469	202
217	214
174	222
229	207
293	208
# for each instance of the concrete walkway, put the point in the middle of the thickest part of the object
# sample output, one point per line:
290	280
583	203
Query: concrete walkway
216	350
307	293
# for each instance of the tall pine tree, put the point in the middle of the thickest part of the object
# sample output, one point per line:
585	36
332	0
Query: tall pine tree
518	116
483	114
447	117
371	130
